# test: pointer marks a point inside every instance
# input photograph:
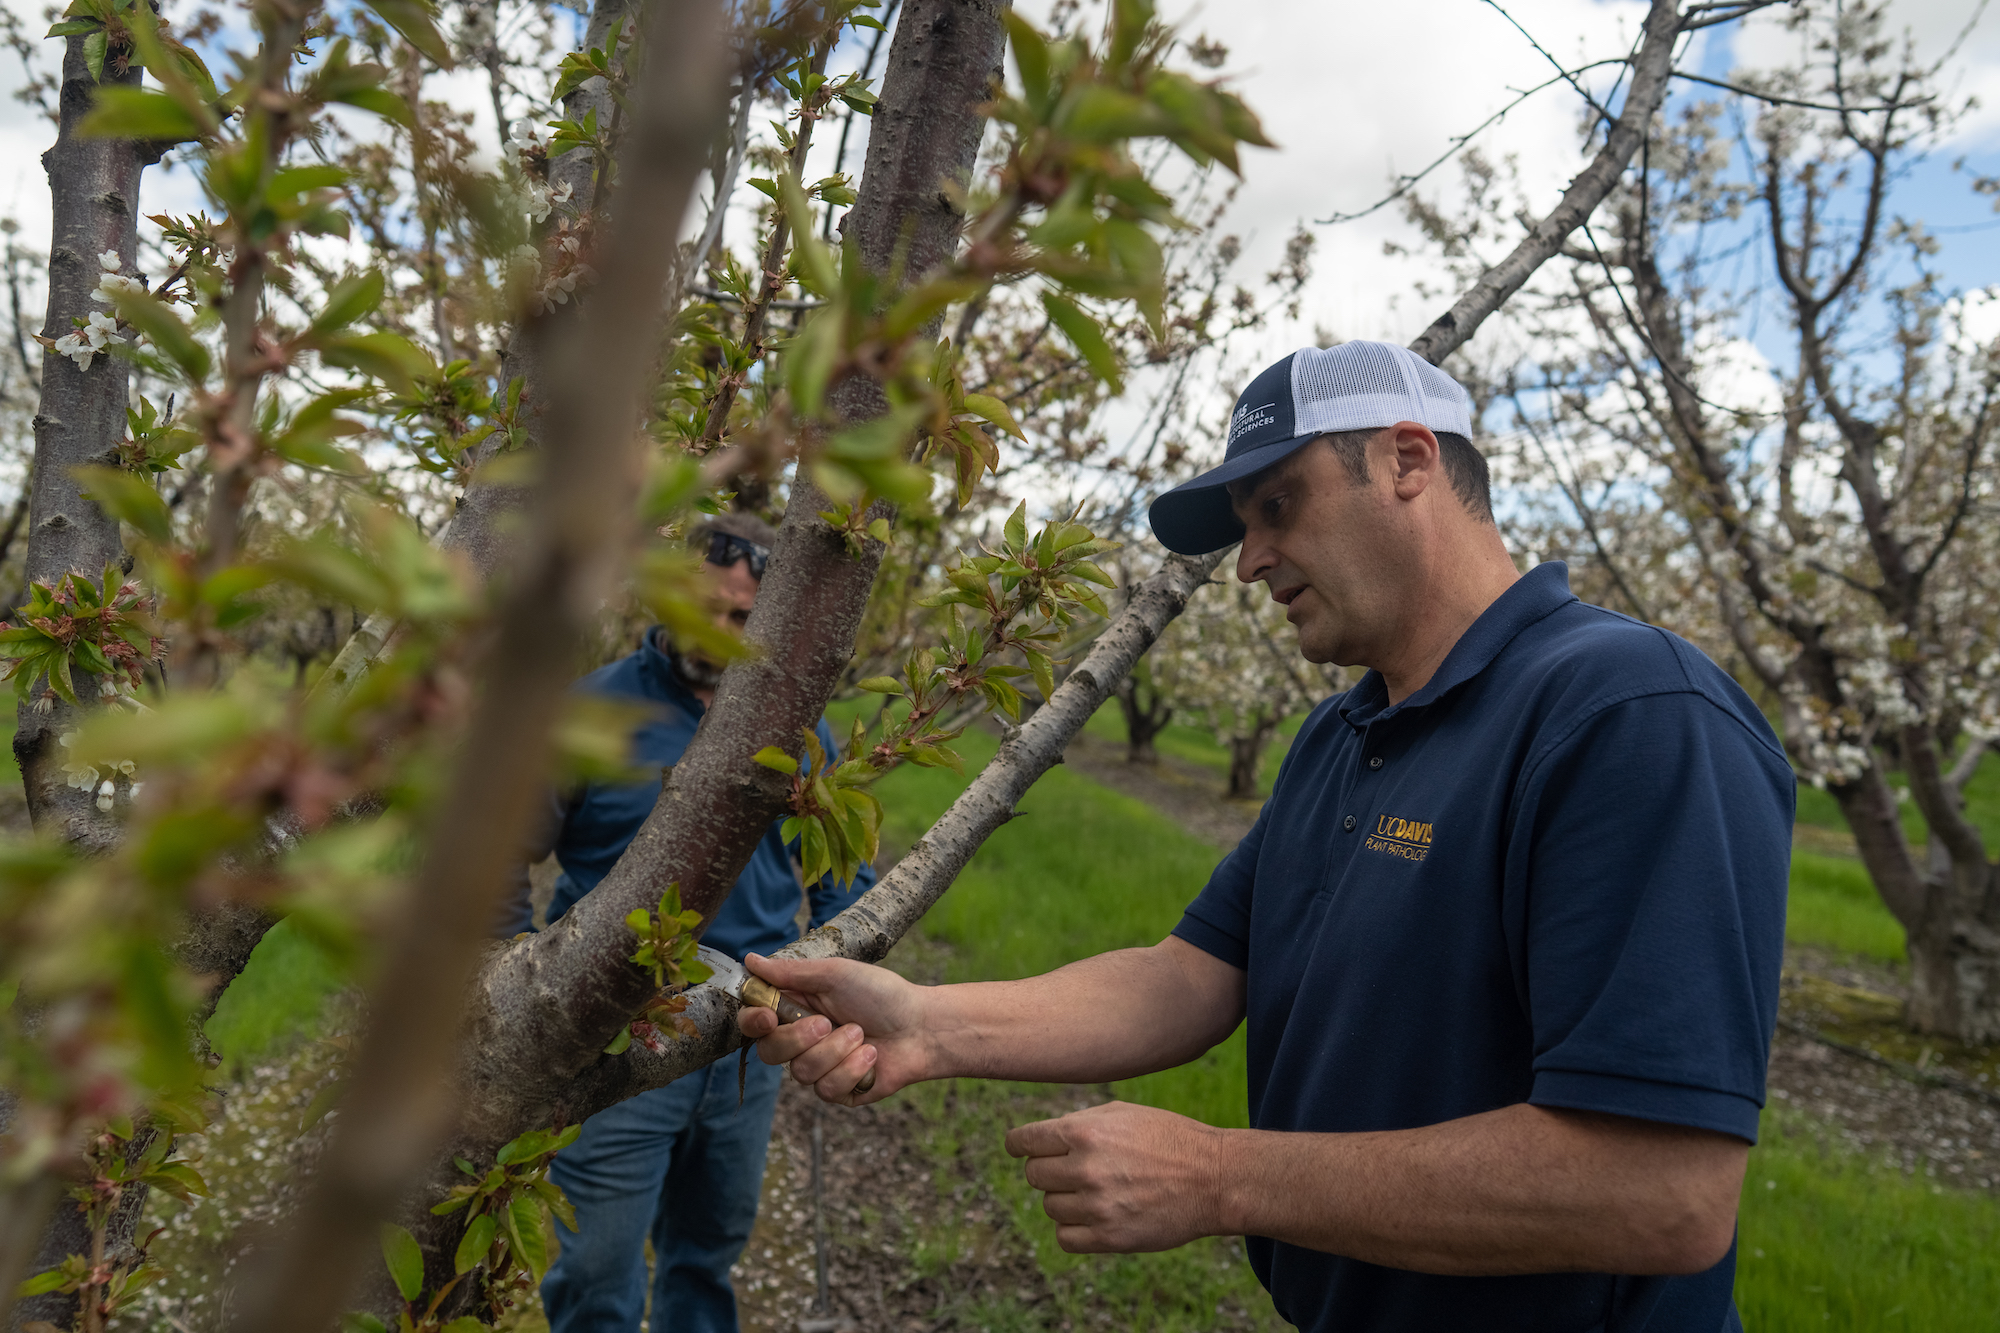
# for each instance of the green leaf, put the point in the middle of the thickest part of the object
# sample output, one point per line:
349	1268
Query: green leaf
1015	533
405	1259
465	1323
380	101
289	182
349	301
394	360
126	497
41	1283
1084	569
524	1228
812	260
477	1241
773	757
354	1321
811	357
119	112
164	329
1031	58
989	408
880	685
413	19
620	1042
1086	337
71	27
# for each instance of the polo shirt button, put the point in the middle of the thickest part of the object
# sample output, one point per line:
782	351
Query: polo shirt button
1348	823
1376	762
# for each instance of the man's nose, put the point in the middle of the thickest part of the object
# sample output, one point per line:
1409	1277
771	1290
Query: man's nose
1253	559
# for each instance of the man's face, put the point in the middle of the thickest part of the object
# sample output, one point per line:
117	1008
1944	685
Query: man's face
733	591
1322	542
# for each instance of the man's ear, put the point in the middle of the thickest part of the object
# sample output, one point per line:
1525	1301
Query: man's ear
1413	458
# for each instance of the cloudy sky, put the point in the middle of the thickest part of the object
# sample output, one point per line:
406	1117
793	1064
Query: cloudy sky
1355	93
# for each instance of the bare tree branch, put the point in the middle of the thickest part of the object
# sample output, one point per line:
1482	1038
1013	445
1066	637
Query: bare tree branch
1649	87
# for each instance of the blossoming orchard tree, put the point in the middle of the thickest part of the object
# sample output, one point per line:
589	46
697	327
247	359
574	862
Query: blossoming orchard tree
356	312
1835	541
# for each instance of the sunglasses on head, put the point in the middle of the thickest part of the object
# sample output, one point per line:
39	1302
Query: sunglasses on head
725	549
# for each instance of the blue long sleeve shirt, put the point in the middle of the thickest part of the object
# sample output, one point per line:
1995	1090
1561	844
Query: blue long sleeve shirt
596	823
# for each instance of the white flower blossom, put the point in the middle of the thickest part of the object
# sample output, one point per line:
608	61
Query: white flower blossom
73	346
110	284
104	794
109	261
535	195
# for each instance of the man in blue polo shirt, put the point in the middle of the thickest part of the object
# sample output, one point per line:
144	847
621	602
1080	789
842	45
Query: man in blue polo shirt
681	1165
1506	935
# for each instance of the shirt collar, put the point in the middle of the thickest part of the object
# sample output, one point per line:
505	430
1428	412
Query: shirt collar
1534	595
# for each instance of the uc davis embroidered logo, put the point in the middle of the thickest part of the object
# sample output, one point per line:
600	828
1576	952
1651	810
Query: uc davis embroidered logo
1248	418
1406	838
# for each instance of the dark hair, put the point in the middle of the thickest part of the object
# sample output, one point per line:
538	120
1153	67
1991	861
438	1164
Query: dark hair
1463	464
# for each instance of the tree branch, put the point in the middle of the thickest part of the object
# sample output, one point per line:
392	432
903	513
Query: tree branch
1649	87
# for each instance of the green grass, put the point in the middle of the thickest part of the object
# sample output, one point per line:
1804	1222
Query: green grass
279	997
1833	905
1084	870
1831	1241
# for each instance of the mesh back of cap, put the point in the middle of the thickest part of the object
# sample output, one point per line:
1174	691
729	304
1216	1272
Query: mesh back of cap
1367	385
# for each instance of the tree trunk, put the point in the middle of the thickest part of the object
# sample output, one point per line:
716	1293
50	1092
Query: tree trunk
1955	963
94	207
94	198
1246	755
1146	715
1948	904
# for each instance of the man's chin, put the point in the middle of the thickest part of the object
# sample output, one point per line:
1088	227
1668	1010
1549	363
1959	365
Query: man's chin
1311	647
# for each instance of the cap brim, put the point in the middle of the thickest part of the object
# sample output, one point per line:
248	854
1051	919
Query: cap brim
1195	517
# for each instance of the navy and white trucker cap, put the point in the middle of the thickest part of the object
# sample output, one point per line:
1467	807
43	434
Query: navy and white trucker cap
1315	390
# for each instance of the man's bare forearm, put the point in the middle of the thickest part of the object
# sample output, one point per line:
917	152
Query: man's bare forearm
1115	1015
1523	1189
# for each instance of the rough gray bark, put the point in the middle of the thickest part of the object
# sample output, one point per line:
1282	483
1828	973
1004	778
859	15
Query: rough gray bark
405	1096
1651	69
94	199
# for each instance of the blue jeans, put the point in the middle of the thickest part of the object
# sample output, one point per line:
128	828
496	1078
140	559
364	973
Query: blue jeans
683	1164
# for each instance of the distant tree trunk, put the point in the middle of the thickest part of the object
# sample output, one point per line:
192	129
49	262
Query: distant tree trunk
1146	714
1246	753
94	199
1947	900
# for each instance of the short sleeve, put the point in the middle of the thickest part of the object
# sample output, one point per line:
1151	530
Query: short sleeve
1647	869
1218	920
